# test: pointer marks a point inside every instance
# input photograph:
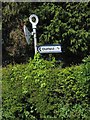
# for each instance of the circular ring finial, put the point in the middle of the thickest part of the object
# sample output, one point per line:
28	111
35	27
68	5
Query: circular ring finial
31	19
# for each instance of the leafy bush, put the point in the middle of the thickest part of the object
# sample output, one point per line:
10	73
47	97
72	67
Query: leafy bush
39	90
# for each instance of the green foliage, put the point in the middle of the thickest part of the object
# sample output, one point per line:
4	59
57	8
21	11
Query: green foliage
39	90
64	23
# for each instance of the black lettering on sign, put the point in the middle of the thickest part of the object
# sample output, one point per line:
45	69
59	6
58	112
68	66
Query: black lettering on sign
48	48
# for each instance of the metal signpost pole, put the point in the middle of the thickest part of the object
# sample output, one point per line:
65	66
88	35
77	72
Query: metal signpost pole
27	32
35	40
34	23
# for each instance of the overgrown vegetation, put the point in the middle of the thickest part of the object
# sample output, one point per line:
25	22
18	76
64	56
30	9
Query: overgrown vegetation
59	22
39	90
42	89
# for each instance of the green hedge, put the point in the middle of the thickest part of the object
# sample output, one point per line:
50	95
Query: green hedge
40	90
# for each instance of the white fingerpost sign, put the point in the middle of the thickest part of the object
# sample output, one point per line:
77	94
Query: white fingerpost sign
27	34
49	49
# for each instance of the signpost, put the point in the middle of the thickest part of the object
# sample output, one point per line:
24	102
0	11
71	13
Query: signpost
49	49
40	49
28	34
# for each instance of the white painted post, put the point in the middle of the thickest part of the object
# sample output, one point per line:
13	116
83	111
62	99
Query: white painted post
34	23
35	40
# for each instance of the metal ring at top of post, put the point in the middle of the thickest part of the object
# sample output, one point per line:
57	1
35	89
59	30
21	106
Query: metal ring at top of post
34	23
